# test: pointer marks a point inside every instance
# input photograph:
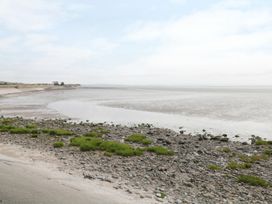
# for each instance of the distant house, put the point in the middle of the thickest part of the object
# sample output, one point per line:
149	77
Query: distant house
55	83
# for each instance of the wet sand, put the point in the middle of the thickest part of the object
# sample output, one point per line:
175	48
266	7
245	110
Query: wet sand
27	182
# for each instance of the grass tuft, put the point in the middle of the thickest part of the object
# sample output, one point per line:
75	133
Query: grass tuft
260	141
58	132
214	167
6	128
58	144
93	134
113	147
235	165
107	154
31	126
253	180
34	136
138	138
7	121
120	148
20	131
159	150
90	144
102	130
268	152
253	158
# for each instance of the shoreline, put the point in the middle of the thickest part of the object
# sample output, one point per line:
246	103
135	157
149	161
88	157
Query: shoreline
198	171
13	90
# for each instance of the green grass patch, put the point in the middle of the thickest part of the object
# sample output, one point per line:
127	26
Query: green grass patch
235	165
93	134
159	150
214	167
262	142
20	131
253	180
120	148
113	147
23	131
91	144
31	126
7	121
253	158
58	132
35	131
267	152
97	132
107	154
138	138
58	144
102	130
77	141
6	128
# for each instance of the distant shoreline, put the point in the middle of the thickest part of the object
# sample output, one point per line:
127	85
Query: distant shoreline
14	88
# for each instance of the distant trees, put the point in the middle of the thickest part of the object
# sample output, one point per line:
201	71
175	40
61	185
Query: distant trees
3	83
56	83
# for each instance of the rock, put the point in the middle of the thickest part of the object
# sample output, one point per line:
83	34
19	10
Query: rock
178	201
159	199
188	184
200	151
158	195
163	141
129	191
215	138
88	176
225	139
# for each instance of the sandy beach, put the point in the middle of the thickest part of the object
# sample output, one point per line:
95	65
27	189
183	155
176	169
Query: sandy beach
28	88
27	181
6	91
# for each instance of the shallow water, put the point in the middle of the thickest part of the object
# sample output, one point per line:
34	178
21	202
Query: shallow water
242	111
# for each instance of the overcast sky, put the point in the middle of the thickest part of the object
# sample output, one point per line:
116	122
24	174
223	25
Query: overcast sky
165	42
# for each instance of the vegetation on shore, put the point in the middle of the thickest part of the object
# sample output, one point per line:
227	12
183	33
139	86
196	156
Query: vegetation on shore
243	161
91	141
115	147
253	180
138	138
58	144
214	167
